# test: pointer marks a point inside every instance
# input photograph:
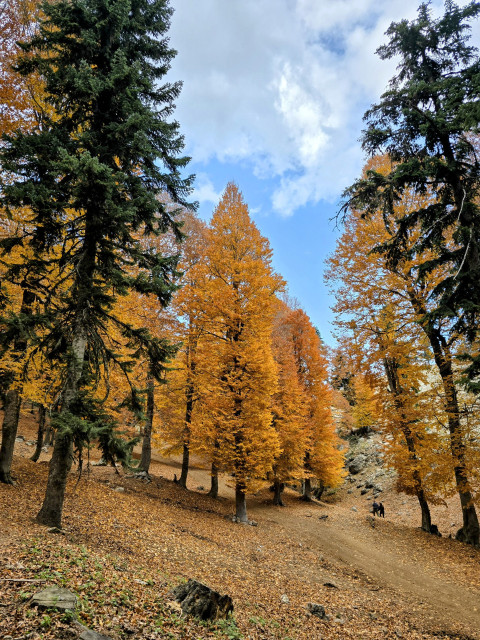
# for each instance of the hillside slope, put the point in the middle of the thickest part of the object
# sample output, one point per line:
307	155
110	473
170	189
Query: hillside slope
123	550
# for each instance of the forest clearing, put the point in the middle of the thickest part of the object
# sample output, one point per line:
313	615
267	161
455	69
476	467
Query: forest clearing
122	552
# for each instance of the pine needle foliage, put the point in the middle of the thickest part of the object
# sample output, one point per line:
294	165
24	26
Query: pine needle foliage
427	122
92	175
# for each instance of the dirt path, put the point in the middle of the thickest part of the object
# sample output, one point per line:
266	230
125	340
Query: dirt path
376	553
439	577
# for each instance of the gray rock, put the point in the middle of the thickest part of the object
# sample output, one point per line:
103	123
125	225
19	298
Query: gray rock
363	492
357	464
354	509
20	439
88	634
198	600
119	489
284	599
316	610
54	598
349	490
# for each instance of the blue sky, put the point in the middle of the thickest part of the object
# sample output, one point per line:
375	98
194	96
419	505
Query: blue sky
273	97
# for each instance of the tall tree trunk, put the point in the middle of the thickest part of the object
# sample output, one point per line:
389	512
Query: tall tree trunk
443	360
50	513
278	488
240	502
60	464
9	433
13	401
189	402
147	429
213	493
40	433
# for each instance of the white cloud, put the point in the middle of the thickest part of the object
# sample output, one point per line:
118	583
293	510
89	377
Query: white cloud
204	190
282	86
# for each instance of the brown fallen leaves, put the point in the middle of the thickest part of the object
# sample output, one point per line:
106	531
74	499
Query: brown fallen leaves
123	551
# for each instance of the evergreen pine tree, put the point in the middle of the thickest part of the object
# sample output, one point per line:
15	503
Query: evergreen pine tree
426	122
92	178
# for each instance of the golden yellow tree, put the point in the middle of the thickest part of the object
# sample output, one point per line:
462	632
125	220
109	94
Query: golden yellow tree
386	311
238	309
290	409
323	459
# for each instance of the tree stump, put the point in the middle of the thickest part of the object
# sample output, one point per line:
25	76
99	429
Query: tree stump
196	599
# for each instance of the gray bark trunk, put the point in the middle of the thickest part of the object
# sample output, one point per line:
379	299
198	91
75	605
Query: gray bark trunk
60	464
40	433
147	430
9	433
50	513
240	503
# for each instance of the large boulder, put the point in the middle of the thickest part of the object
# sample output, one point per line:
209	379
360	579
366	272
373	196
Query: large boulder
357	464
196	599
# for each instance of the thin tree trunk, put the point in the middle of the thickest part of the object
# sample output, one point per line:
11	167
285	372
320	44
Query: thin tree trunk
40	433
391	370
240	502
213	493
185	462
147	429
278	488
426	517
9	433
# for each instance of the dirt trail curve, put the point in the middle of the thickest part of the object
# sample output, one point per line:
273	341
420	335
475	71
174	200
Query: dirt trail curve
392	562
441	577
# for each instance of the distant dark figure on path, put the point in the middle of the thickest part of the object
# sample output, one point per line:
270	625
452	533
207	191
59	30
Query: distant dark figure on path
375	508
381	510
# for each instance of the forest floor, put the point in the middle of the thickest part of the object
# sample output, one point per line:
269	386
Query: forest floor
123	550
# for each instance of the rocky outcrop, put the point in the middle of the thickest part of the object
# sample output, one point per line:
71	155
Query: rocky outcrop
357	464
